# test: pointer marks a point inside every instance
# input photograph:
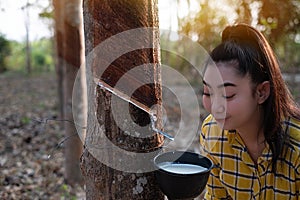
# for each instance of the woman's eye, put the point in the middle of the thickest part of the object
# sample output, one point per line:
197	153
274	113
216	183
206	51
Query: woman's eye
229	96
208	94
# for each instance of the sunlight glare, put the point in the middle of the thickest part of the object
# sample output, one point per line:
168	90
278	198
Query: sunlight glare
15	29
169	10
224	7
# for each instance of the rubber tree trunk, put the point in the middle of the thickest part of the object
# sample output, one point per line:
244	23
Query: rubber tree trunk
71	57
122	52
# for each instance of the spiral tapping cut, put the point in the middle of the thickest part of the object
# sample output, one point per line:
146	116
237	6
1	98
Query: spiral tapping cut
137	104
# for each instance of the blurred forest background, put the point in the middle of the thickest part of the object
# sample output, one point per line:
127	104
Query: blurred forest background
28	82
201	20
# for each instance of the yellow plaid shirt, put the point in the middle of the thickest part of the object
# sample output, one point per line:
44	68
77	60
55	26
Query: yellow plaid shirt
237	177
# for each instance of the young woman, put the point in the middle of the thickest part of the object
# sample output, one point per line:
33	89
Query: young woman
253	131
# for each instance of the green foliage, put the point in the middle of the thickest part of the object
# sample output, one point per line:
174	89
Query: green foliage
67	192
25	120
41	56
46	14
206	25
279	17
47	11
5	51
16	61
279	20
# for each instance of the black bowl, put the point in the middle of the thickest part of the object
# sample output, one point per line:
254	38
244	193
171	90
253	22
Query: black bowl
177	185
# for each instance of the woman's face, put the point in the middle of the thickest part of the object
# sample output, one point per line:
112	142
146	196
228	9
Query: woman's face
229	97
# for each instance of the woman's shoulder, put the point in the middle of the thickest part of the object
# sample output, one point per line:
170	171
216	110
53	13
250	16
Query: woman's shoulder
211	129
210	123
293	126
209	119
214	139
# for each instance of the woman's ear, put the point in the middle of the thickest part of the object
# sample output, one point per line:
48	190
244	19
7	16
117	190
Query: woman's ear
263	91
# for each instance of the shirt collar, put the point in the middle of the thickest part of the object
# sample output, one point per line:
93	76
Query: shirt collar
238	146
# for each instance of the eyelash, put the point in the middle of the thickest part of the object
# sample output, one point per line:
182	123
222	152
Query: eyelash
226	97
229	97
206	94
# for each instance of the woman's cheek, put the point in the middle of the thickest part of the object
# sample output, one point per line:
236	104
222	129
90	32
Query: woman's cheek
206	103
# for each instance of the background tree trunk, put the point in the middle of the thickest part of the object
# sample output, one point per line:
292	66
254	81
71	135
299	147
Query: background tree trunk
103	19
28	45
71	57
59	61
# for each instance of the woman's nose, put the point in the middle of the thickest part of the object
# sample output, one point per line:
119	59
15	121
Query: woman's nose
218	105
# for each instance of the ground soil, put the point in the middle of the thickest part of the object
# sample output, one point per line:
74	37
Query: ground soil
31	161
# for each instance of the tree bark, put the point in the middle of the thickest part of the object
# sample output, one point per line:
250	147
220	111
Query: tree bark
70	56
59	62
28	45
109	175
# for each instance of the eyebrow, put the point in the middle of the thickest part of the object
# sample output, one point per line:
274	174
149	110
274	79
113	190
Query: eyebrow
226	84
